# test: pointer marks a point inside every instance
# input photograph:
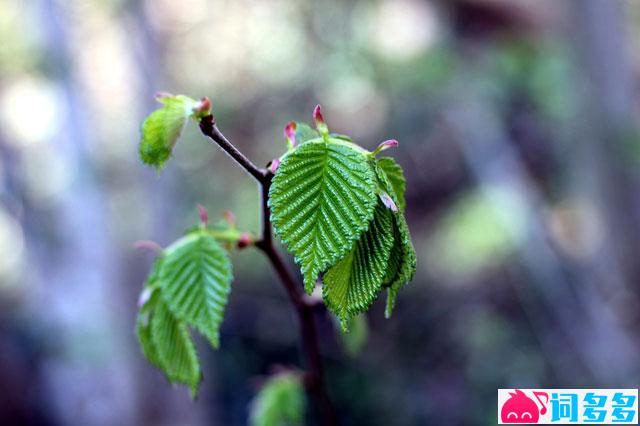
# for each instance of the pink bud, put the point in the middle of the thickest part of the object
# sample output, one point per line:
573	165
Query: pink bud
321	125
273	167
229	217
204	215
147	245
317	115
202	108
391	143
388	202
290	132
244	240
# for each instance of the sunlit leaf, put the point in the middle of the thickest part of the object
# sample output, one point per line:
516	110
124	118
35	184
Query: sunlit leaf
322	198
195	281
162	128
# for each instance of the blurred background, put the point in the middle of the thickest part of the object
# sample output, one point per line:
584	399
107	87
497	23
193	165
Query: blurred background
518	127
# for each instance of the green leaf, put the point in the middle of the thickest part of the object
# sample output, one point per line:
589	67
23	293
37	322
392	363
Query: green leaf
402	260
143	329
173	348
355	339
280	402
322	199
354	282
195	281
406	266
161	129
305	133
395	175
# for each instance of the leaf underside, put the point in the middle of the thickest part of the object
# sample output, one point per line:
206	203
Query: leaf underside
322	198
195	280
354	282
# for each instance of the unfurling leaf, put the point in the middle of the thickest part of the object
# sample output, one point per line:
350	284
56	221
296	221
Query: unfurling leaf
402	261
167	344
280	402
162	128
322	198
195	282
188	286
406	267
395	176
354	282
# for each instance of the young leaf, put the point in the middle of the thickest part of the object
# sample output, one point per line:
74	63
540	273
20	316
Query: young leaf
195	281
280	402
352	284
406	266
394	174
143	328
161	129
173	348
402	260
322	199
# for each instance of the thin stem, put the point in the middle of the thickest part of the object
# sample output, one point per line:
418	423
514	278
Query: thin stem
209	128
314	377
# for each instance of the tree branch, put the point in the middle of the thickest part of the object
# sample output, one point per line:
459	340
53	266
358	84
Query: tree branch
314	377
209	128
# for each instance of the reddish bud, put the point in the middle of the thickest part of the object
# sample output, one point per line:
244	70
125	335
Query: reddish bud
245	240
229	217
290	133
388	202
391	143
273	166
147	245
318	118
204	215
202	108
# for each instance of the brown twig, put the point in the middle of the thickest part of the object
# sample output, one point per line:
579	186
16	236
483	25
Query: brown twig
314	377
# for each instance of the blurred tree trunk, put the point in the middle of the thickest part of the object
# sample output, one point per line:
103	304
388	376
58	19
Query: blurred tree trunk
602	166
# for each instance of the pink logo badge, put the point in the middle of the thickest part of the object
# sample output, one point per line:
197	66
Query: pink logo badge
519	408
